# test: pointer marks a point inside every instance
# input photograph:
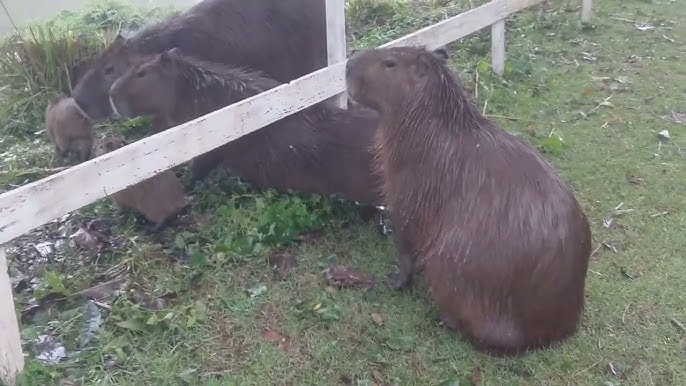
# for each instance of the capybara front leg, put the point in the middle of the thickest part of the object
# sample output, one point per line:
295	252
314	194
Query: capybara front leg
406	265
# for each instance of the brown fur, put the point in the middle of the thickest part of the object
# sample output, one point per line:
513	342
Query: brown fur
502	242
285	39
321	150
68	129
159	198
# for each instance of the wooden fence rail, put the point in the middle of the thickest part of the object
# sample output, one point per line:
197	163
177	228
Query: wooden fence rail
37	203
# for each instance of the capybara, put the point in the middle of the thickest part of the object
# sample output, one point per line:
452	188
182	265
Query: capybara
321	149
501	240
159	198
285	39
68	129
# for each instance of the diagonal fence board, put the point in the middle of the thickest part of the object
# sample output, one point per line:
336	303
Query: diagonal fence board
35	204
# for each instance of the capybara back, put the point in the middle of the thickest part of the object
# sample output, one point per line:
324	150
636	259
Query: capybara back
321	149
285	39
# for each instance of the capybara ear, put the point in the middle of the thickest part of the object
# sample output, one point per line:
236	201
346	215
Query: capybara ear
167	59
119	40
441	53
425	61
176	51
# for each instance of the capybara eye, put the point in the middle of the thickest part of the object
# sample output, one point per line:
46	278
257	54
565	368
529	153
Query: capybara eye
109	69
389	63
140	73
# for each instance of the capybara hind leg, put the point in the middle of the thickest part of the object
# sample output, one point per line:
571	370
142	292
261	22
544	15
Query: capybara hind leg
367	212
406	265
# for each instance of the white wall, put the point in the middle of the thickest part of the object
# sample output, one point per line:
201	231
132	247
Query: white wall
23	11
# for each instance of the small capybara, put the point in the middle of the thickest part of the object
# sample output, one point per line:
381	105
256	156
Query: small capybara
322	149
501	240
159	198
284	39
68	129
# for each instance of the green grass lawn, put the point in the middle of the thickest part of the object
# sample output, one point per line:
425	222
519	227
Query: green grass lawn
593	99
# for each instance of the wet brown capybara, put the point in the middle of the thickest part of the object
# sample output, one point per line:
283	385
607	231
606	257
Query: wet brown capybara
285	39
68	129
501	240
159	198
321	149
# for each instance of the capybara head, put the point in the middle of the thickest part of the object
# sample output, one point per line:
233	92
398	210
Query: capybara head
378	77
108	144
67	127
92	91
148	87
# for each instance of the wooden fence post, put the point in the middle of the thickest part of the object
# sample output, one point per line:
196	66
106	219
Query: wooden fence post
586	10
11	357
336	46
498	46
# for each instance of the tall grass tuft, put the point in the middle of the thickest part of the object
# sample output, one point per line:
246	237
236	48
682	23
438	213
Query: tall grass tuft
48	57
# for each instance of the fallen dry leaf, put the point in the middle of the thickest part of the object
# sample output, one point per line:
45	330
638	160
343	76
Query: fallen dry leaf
475	377
101	291
153	303
675	116
376	375
308	236
85	240
344	277
275	337
92	236
636	181
282	262
377	319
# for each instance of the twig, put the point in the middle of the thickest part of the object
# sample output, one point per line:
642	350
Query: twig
596	250
659	214
623	19
502	117
598	106
678	325
476	86
485	105
66	71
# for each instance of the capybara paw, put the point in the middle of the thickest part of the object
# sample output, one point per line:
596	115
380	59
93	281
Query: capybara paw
396	281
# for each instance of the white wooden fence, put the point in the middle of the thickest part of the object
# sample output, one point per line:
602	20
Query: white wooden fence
37	203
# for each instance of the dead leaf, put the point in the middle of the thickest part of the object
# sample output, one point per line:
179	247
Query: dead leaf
607	104
101	291
308	236
643	26
475	377
275	337
85	240
282	262
344	277
376	375
377	319
153	303
587	92
636	181
92	236
676	117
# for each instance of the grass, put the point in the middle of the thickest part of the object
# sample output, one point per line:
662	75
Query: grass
204	307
